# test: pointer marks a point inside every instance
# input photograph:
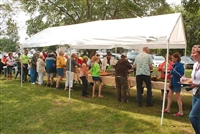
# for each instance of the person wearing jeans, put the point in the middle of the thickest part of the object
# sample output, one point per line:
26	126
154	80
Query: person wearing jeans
84	76
143	65
194	115
24	60
33	72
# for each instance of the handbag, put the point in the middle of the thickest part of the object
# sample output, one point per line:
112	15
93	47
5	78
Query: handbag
197	94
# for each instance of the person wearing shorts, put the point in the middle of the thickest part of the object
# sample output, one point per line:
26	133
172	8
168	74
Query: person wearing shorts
50	69
95	71
60	64
177	72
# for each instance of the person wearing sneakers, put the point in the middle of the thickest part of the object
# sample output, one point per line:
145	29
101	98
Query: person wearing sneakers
121	72
177	72
95	71
194	115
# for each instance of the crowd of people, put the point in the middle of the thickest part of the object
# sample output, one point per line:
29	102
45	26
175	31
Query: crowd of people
56	66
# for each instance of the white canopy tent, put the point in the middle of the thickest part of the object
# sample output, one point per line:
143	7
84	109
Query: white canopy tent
156	32
153	31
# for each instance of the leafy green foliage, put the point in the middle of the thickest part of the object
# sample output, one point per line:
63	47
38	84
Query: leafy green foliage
8	25
8	45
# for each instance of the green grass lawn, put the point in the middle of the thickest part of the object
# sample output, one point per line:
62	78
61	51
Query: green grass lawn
35	109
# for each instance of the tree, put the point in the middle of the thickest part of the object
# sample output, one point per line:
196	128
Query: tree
7	45
191	15
8	26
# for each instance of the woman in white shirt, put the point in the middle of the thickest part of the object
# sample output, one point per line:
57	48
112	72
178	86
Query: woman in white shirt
40	69
9	63
194	115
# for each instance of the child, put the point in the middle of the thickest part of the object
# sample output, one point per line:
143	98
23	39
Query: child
95	71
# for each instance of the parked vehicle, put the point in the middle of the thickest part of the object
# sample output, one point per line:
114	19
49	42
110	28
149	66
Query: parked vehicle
131	56
157	60
187	61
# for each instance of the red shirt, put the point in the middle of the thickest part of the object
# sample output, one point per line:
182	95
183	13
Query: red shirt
161	69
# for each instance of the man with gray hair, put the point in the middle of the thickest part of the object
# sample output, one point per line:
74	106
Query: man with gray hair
143	65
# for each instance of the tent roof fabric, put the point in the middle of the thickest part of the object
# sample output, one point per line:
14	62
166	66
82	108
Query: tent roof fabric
153	31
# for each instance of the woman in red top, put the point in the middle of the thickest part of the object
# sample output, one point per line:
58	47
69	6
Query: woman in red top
161	69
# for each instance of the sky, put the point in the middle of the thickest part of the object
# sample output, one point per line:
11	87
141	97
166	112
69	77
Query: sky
23	17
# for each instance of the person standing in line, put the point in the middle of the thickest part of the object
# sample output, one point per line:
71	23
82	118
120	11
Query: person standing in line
4	66
70	73
177	72
1	68
50	69
24	60
9	63
95	71
18	66
84	76
161	69
60	64
121	78
143	65
40	69
108	62
194	115
33	71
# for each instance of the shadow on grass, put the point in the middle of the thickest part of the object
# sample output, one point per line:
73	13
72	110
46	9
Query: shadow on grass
45	103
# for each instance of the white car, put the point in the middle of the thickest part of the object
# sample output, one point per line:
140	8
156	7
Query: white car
157	60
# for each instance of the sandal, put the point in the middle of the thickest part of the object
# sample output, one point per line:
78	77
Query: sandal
177	114
165	111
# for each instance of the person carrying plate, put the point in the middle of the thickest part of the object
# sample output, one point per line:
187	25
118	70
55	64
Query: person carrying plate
194	115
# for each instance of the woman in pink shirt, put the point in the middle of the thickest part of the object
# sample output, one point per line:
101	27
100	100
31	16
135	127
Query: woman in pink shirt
84	76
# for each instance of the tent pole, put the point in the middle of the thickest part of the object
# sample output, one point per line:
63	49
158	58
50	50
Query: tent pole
69	74
165	85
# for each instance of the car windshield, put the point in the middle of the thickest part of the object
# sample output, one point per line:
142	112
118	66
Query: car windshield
187	59
159	58
132	54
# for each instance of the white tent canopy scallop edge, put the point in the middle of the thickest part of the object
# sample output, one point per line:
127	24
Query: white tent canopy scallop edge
153	31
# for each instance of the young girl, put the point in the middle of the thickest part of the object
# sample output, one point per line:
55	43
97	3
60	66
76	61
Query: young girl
84	76
95	71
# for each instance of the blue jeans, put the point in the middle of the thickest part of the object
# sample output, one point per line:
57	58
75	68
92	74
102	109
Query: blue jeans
194	115
84	86
33	75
